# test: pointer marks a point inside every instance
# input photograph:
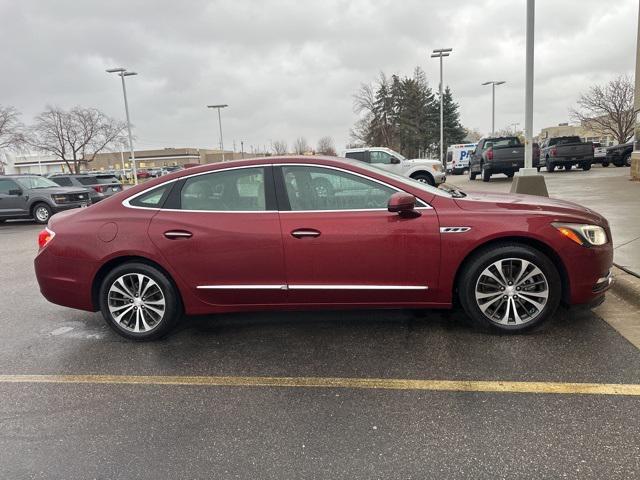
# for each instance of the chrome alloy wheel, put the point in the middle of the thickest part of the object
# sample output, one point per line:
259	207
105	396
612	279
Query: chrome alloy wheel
42	214
136	302
512	291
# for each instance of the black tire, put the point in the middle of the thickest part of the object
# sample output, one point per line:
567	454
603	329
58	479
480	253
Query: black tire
605	164
424	178
550	166
482	260
510	175
173	306
586	166
486	174
41	213
538	169
568	167
627	161
472	175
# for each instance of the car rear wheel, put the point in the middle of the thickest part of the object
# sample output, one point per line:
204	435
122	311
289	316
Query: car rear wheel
510	288
139	302
41	213
605	164
424	178
586	166
486	174
472	175
550	166
627	160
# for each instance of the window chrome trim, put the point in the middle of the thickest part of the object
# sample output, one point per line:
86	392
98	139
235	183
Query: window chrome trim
126	201
312	287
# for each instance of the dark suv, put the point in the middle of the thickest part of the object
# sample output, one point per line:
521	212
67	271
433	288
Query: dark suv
101	185
33	196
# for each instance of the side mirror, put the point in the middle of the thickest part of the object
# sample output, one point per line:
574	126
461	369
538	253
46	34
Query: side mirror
403	204
16	191
395	160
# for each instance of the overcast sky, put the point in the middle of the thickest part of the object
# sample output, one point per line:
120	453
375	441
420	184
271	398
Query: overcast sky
290	68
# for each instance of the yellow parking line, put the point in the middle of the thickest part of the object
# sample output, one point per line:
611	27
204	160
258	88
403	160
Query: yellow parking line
333	382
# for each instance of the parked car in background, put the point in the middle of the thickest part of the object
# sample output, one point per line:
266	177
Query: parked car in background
143	173
423	170
100	186
495	155
458	157
33	196
620	155
565	152
600	154
214	239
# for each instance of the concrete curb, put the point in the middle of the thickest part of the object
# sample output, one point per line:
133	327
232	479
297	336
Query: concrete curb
626	286
627	270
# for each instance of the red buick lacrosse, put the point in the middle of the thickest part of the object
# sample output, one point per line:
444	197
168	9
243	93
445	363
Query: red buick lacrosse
319	232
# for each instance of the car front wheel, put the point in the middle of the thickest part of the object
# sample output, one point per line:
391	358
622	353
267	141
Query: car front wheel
510	288
139	302
41	213
424	178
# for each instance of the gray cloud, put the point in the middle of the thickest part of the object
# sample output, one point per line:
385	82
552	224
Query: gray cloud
290	68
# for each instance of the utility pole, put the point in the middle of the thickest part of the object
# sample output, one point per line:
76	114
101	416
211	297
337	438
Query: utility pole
440	53
242	148
635	156
219	107
122	72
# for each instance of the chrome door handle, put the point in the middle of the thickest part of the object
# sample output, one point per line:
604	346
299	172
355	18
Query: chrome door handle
173	234
305	232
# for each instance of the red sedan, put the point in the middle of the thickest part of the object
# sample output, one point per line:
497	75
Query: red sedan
319	232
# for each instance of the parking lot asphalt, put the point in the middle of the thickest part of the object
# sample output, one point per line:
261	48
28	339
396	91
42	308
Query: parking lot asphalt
608	191
104	428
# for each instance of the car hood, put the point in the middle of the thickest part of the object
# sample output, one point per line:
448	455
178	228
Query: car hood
506	202
422	161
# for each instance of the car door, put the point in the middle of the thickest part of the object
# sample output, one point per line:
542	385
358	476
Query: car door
220	231
383	160
342	245
11	204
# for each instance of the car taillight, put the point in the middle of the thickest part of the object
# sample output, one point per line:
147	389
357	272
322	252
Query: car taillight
490	153
44	237
98	188
554	152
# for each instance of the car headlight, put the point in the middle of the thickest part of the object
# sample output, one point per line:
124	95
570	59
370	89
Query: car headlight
583	234
59	198
437	167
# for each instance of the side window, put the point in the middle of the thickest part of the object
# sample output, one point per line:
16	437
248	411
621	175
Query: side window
356	156
227	191
152	198
449	156
317	188
379	157
62	181
6	185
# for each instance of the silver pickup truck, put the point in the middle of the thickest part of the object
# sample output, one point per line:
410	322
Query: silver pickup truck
566	152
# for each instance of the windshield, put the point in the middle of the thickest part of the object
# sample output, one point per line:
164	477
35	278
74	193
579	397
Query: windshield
36	182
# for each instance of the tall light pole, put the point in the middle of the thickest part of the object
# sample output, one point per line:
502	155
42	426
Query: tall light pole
515	126
493	84
122	72
440	53
219	107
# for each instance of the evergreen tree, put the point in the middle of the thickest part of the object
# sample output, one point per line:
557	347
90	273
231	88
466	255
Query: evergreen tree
454	132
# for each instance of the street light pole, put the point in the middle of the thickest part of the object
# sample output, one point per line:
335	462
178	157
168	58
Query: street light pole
122	72
440	53
219	107
493	84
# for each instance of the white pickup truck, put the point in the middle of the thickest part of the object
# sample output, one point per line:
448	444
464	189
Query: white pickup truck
423	170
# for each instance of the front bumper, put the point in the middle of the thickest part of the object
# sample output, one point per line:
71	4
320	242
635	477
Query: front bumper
439	177
61	207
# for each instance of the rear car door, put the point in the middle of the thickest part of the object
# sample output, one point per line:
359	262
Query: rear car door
342	246
220	231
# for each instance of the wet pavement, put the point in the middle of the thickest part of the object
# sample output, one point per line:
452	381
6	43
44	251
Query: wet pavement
151	431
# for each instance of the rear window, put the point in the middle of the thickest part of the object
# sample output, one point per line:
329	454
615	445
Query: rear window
566	140
62	181
106	179
87	180
504	142
355	155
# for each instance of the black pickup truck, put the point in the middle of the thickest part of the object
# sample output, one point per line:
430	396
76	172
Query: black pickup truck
499	155
620	155
566	152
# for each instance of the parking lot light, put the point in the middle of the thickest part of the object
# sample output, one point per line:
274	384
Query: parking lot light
493	84
440	53
219	107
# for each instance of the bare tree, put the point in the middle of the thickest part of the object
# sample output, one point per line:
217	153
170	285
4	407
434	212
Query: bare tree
75	136
473	134
279	147
326	147
11	129
608	109
300	146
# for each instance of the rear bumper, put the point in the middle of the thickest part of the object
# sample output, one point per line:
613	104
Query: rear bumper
63	281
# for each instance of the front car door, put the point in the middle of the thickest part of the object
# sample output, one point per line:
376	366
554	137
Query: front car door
343	247
220	232
11	205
